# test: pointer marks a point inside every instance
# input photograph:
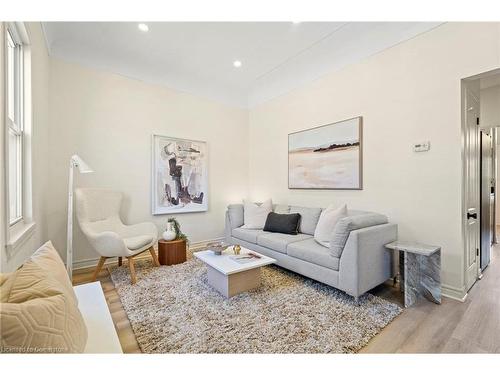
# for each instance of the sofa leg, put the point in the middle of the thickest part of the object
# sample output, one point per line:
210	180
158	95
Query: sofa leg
132	270
98	268
119	261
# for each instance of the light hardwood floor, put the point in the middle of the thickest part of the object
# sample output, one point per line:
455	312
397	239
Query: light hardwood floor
472	326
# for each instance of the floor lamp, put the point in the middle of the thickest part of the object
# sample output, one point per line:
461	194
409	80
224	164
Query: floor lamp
82	167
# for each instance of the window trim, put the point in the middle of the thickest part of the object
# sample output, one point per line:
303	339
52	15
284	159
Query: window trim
20	230
17	126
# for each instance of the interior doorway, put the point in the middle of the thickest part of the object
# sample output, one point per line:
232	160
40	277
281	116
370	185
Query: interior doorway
481	202
487	195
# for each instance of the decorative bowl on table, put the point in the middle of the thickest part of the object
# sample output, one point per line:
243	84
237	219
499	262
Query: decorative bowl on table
217	247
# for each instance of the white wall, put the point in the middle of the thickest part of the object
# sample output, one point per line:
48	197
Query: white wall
40	90
407	94
109	120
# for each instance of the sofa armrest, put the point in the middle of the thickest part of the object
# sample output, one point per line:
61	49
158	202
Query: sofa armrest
365	262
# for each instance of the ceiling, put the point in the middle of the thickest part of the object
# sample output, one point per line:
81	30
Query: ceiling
197	57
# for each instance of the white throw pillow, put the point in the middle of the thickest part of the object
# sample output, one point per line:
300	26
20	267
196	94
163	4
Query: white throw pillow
326	223
254	216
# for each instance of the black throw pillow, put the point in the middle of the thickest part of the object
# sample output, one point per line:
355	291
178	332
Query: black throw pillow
282	223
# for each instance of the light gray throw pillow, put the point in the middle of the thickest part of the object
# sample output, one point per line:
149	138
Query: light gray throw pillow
347	224
328	219
309	217
255	214
235	212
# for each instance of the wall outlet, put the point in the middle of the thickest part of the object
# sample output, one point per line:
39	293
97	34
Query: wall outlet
421	147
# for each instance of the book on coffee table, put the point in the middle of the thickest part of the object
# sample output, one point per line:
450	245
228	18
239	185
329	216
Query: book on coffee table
245	258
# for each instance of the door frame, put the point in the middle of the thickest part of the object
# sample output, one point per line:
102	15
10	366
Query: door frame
464	84
494	135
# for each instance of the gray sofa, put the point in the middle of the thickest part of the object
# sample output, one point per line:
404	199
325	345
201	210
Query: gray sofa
356	261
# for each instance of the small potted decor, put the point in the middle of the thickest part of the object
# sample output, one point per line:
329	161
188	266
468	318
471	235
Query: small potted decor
173	231
172	252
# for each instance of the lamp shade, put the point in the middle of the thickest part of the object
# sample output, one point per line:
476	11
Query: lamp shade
81	165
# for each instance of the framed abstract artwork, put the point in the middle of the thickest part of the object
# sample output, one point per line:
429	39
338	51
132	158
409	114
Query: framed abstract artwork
180	176
327	157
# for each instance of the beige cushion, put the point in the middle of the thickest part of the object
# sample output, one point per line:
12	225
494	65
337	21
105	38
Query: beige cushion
37	314
136	242
48	259
6	281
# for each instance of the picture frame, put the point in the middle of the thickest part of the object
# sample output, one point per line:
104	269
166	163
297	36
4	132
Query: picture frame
179	170
327	157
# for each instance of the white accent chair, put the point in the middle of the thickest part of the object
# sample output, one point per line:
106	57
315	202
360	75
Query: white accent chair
98	213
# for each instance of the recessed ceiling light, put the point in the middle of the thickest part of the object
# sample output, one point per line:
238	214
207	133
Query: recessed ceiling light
143	27
237	64
295	22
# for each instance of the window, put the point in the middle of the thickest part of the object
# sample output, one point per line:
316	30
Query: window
15	109
18	134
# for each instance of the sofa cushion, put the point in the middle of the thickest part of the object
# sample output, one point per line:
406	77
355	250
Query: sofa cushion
312	252
279	241
281	208
249	235
38	315
308	218
235	212
350	223
255	215
326	223
282	223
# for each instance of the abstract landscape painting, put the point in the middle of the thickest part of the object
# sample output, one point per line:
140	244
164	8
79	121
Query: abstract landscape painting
326	157
179	175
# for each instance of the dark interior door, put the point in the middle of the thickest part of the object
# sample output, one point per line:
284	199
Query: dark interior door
487	198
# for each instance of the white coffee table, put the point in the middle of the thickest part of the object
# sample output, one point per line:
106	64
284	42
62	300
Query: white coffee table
229	277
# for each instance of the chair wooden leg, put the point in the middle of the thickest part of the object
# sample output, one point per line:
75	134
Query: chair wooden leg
98	268
132	269
153	255
119	261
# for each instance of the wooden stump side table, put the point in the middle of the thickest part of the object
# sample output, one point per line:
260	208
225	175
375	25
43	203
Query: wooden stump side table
171	252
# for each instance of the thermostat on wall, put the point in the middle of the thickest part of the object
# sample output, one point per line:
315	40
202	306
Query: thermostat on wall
421	147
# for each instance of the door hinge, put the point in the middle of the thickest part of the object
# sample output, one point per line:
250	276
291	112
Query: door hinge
477	120
477	252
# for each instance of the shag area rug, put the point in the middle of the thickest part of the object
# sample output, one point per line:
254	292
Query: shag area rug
172	309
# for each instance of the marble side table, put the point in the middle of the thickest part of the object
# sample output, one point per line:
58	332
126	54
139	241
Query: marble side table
419	270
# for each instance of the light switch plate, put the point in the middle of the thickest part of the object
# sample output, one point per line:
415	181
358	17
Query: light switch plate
421	147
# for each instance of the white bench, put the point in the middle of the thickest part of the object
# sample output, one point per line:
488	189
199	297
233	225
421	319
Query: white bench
102	337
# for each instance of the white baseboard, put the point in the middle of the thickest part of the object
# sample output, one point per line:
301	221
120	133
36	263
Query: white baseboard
92	262
453	293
